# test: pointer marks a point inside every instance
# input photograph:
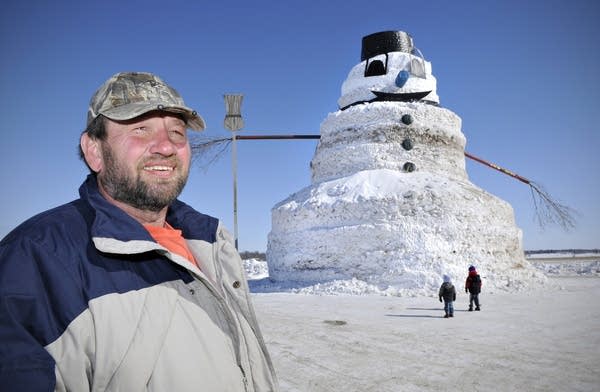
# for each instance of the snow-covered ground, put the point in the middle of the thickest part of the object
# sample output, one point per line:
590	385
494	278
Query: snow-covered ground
546	339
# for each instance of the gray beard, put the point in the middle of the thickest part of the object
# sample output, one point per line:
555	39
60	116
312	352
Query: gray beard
133	191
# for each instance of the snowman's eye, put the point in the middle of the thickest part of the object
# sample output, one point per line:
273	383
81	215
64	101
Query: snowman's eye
417	64
376	67
417	68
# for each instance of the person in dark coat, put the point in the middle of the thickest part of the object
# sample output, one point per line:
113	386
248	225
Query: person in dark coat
473	287
127	287
448	294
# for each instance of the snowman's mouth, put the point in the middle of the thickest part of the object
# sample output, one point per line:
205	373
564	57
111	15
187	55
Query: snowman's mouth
404	97
381	96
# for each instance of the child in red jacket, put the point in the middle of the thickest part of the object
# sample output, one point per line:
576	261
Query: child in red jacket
473	286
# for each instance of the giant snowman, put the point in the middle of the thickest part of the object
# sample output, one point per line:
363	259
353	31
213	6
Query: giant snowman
390	205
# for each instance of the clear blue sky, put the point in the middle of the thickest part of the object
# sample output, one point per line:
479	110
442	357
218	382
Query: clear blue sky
522	75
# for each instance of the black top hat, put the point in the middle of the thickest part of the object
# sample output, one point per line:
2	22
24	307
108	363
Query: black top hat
385	42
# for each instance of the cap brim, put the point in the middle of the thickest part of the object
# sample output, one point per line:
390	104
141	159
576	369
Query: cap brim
133	110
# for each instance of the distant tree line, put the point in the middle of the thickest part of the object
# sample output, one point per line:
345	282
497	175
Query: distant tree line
253	255
263	256
574	251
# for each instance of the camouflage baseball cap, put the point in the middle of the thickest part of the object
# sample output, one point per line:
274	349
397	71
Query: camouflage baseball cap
127	95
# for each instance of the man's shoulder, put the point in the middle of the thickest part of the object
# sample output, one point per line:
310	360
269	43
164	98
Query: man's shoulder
42	246
69	218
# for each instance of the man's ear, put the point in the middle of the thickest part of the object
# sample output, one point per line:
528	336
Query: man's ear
92	152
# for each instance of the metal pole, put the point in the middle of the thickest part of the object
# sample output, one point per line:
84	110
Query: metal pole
234	169
496	167
277	137
234	122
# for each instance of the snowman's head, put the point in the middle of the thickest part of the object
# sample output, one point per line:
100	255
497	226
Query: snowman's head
391	69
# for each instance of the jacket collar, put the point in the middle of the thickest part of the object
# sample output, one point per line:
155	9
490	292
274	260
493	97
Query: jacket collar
110	222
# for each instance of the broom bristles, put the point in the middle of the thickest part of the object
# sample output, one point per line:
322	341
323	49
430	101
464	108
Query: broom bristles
550	211
207	151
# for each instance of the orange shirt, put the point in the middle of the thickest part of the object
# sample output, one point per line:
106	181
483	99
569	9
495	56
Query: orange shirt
171	239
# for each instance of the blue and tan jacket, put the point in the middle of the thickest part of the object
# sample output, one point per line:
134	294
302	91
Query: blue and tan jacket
90	302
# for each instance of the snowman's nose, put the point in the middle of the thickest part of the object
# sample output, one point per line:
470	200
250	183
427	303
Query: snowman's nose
402	78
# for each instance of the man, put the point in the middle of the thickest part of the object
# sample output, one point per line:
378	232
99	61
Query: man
128	288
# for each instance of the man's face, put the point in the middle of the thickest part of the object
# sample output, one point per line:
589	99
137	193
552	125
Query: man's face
145	161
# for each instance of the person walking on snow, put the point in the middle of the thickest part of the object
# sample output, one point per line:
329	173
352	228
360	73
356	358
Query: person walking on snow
473	286
448	293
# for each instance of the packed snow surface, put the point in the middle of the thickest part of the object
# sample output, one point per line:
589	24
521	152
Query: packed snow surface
546	339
